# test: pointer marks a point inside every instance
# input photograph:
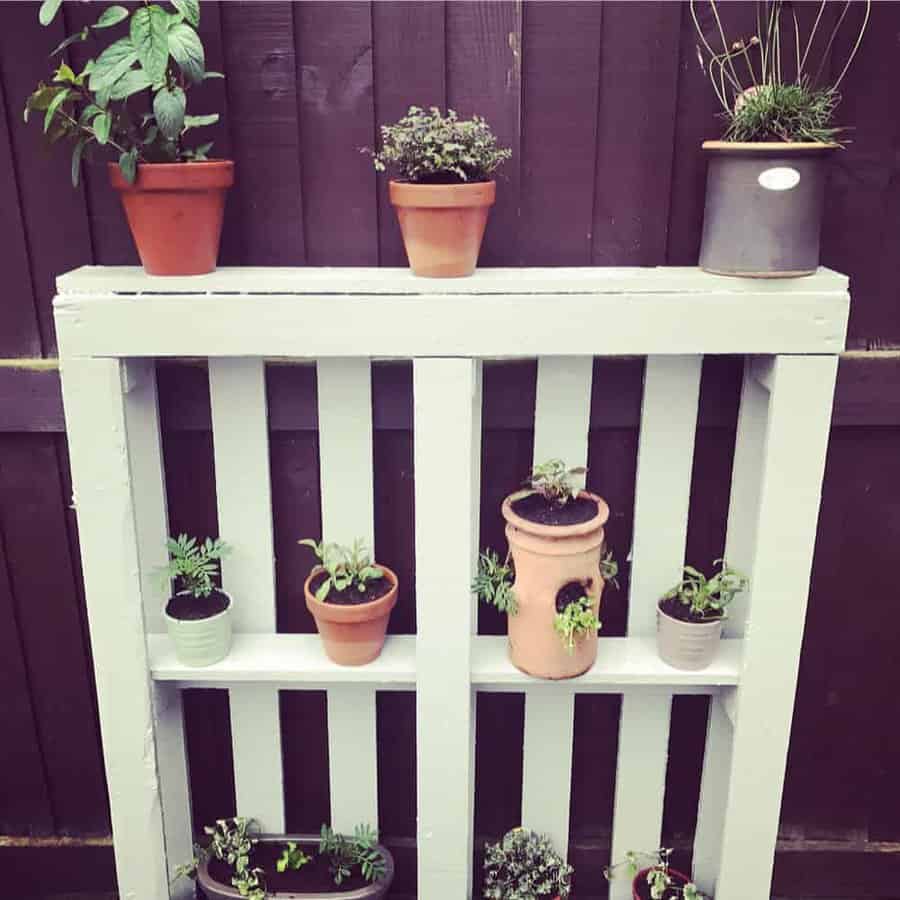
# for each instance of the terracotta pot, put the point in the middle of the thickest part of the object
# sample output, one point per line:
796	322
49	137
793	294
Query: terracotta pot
686	645
442	225
547	557
353	635
201	642
641	877
215	890
175	213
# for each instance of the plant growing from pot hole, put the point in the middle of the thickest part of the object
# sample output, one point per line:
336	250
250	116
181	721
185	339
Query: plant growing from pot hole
576	618
345	568
525	866
191	569
697	598
347	852
663	882
131	95
493	582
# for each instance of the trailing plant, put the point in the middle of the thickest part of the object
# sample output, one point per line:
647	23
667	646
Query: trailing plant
553	480
427	147
707	598
576	621
345	853
662	884
494	582
344	567
292	857
525	866
132	95
762	81
609	569
192	564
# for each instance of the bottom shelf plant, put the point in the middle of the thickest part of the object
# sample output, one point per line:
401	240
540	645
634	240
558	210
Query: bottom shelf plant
652	878
525	866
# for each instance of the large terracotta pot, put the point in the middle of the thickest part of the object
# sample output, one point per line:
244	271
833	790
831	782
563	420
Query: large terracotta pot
641	879
546	558
353	635
442	224
175	213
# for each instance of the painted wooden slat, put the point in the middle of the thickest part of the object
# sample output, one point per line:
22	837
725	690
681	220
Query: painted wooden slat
241	451
447	459
662	494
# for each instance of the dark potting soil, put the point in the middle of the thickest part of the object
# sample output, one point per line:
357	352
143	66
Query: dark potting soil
670	894
352	596
570	593
681	611
537	508
189	607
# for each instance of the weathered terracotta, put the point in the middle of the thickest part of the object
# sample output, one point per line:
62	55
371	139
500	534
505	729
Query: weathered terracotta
546	557
175	213
353	635
686	645
442	225
641	877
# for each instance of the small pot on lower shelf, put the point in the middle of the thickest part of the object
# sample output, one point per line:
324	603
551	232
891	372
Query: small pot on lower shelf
686	645
199	641
640	890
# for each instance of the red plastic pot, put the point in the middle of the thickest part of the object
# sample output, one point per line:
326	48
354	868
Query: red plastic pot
641	878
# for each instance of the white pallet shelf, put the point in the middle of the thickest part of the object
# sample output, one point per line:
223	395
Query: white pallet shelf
112	323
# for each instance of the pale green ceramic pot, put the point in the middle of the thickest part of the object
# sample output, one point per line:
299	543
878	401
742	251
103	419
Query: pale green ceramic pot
201	642
687	645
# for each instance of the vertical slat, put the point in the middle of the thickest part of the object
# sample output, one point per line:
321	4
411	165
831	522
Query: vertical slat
447	460
662	494
778	565
561	419
241	450
346	478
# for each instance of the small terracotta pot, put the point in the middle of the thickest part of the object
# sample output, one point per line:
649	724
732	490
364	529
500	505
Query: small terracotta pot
353	635
175	213
442	225
686	645
641	878
546	558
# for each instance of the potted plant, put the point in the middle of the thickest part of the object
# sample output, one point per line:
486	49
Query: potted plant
351	600
657	880
525	866
238	863
443	191
551	580
690	616
131	99
198	614
765	178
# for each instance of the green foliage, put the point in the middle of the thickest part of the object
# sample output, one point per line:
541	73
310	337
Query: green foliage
784	112
429	147
345	853
553	481
524	866
708	597
494	582
192	564
609	569
576	621
659	879
292	857
130	96
345	567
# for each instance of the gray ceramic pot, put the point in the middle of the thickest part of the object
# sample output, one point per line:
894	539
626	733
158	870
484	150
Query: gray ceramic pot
201	642
686	645
214	890
763	211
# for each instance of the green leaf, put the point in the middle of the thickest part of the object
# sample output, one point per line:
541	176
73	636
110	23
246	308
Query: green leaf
187	51
131	82
190	9
71	39
41	98
200	121
128	165
202	150
169	107
112	64
76	160
150	37
110	16
101	126
55	104
47	12
64	74
323	590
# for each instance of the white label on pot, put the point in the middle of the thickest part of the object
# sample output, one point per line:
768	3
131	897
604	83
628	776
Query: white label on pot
780	178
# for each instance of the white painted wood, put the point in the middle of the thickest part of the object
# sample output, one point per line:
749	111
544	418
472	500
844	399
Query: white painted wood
241	450
447	457
662	494
562	409
790	477
101	477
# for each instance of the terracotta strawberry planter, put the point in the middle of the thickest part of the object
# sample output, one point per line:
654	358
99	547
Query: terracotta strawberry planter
546	558
442	224
175	213
352	635
640	889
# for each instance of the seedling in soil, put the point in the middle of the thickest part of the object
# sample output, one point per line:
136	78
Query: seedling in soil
345	567
192	565
292	857
553	480
663	884
705	599
346	853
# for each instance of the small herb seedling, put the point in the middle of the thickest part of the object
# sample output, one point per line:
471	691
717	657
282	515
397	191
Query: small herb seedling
707	598
659	877
609	569
192	564
345	567
292	857
346	852
494	582
576	621
553	480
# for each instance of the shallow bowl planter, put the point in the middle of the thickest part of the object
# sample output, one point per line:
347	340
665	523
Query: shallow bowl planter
546	558
215	890
353	635
686	645
763	212
175	213
201	642
640	890
442	224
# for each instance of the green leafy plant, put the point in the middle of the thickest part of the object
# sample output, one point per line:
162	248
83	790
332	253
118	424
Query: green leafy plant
763	83
345	853
428	147
576	621
609	569
707	598
345	567
525	866
292	857
663	885
192	564
231	841
494	582
132	95
553	480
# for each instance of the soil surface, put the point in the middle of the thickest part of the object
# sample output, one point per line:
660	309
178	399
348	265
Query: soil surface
189	607
313	878
536	508
644	889
570	593
352	596
681	611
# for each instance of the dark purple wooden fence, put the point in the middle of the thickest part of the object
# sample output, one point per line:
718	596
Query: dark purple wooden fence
605	108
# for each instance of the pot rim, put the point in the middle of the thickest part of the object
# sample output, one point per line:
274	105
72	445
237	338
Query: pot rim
538	529
180	177
708	624
357	612
643	874
211	618
407	194
771	147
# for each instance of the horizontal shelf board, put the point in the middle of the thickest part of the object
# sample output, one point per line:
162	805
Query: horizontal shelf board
622	663
310	313
286	659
